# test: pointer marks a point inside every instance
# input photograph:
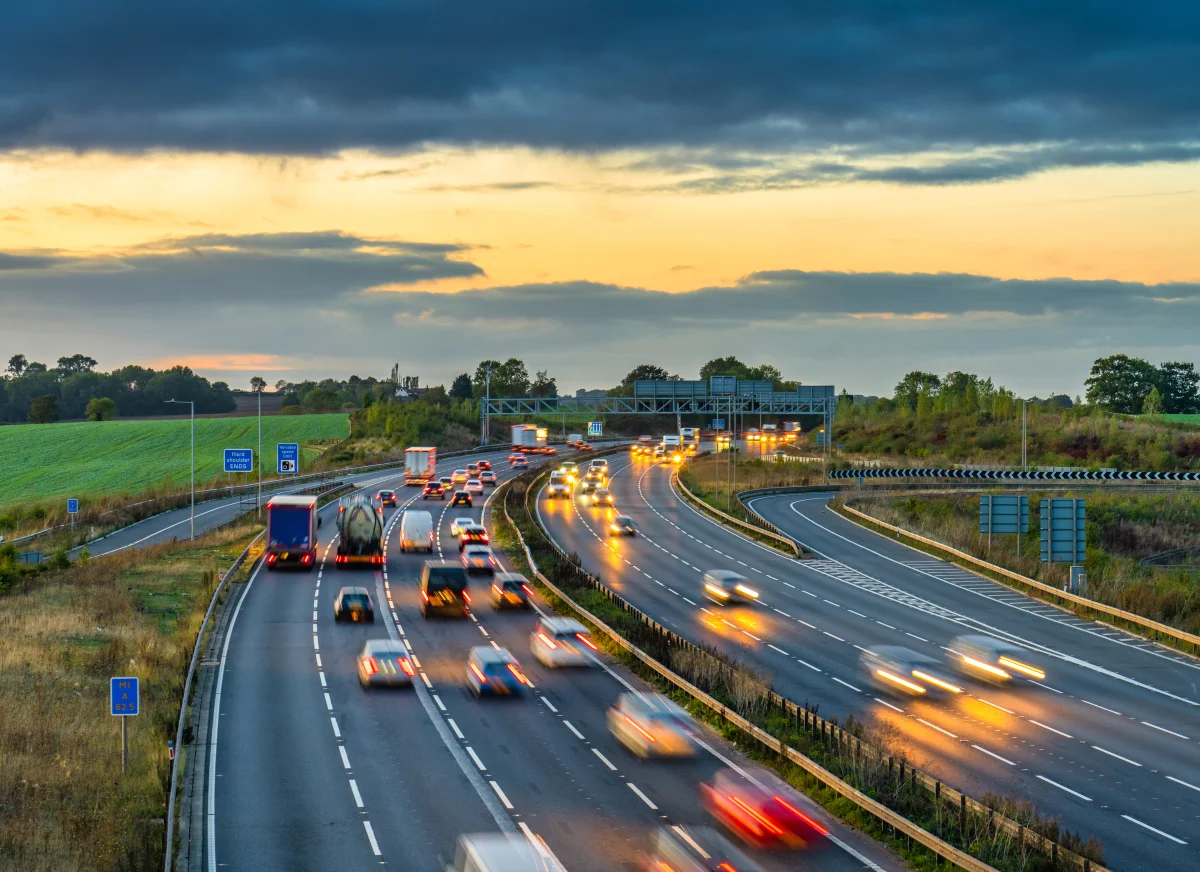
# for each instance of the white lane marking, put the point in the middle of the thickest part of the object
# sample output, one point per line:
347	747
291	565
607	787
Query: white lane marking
831	636
316	645
345	759
604	760
475	757
857	855
428	683
1184	783
751	635
1134	820
780	650
357	796
1051	729
328	703
1117	756
832	603
454	727
915	636
851	611
805	623
437	700
851	686
1102	708
882	624
549	705
321	675
993	705
993	754
1164	730
809	665
371	836
415	661
337	733
1063	787
936	727
688	601
571	727
642	796
889	705
319	661
780	611
314	628
314	616
500	793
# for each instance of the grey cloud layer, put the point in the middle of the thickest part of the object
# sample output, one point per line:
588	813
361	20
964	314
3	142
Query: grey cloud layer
1079	82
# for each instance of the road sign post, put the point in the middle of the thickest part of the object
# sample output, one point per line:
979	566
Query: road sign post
1003	514
288	458
718	423
123	702
72	510
1064	531
239	460
595	428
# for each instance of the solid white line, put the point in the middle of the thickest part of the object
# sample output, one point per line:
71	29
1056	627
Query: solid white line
1165	730
337	734
328	703
641	795
437	700
1118	756
889	705
571	727
1067	789
345	759
851	686
549	705
1134	820
1051	729
991	754
475	757
500	793
993	705
604	760
1184	783
357	796
1102	708
454	727
371	836
936	727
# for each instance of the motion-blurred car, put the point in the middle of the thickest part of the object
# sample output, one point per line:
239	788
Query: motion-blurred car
601	497
496	852
473	469
384	663
474	486
353	604
898	670
516	455
725	587
485	464
992	660
694	849
459	476
646	439
570	469
479	560
494	672
457	525
447	482
386	498
589	486
433	490
472	533
509	591
561	642
600	463
651	725
659	452
622	525
488	478
444	590
766	812
520	463
460	498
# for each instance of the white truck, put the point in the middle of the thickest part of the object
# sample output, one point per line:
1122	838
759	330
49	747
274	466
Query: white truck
527	437
689	435
670	442
420	465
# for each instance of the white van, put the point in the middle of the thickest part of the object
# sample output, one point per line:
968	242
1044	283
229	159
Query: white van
416	531
600	463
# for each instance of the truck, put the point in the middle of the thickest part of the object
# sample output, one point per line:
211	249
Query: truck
360	534
670	442
292	532
689	435
420	465
527	437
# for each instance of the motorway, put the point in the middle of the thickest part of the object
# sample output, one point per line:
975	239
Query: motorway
1108	744
312	772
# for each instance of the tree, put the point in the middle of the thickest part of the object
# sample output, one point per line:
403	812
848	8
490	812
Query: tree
76	363
724	366
17	364
1153	404
543	386
281	384
36	368
461	388
909	389
1120	383
258	384
509	379
44	409
1178	383
101	409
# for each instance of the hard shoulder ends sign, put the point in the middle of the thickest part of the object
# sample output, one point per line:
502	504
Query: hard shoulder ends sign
239	459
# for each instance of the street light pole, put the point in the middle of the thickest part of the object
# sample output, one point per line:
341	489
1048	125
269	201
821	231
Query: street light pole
260	457
192	512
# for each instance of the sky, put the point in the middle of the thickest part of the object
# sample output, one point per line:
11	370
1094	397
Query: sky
306	189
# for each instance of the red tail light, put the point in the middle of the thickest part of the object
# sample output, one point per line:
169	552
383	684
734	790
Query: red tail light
370	666
424	596
525	588
406	666
307	558
483	537
271	558
812	823
466	596
583	637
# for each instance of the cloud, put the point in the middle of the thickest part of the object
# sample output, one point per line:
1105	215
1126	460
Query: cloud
99	213
1090	83
26	261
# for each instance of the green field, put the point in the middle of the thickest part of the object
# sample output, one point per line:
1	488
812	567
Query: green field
1181	419
90	460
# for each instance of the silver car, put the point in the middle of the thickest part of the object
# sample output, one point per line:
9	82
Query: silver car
652	725
384	663
725	587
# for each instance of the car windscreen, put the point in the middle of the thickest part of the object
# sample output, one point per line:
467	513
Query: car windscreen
290	527
513	586
446	578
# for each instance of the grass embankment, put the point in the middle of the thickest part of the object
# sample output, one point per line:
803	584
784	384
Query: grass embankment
1122	528
64	804
110	463
748	693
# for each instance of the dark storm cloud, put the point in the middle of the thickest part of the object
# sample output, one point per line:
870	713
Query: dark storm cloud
26	261
774	77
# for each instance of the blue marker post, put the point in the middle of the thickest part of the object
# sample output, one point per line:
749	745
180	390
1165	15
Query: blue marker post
123	702
72	510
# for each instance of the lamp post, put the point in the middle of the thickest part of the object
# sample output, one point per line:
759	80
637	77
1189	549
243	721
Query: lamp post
192	513
260	457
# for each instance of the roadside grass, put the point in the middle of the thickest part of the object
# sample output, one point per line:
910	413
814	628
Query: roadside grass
92	461
1122	529
64	804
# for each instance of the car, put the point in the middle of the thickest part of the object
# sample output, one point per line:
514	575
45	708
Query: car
561	642
472	534
589	486
724	587
600	463
474	486
765	812
457	525
637	450
459	476
659	452
652	725
902	671
485	464
570	469
479	560
510	590
595	473
447	482
515	456
520	464
549	450
645	439
494	672
433	490
995	661
473	469
353	604
386	498
559	487
487	477
384	663
444	590
601	497
416	531
622	525
497	852
694	849
460	498
583	446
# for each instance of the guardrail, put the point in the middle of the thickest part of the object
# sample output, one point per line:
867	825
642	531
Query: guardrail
1145	624
700	504
838	741
1023	475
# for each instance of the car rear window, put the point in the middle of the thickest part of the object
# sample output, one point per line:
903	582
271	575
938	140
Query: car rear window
355	599
512	586
446	578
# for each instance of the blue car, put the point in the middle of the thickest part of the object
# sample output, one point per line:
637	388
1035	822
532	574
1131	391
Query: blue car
494	672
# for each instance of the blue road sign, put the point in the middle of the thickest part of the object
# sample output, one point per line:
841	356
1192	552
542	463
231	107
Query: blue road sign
718	423
239	459
1064	531
123	696
288	457
1003	513
72	507
595	428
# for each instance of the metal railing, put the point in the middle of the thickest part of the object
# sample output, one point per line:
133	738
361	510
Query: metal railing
769	530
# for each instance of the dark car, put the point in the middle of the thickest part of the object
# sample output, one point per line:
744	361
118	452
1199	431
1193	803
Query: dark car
510	591
460	498
444	590
485	464
353	604
472	534
386	498
622	525
494	672
432	490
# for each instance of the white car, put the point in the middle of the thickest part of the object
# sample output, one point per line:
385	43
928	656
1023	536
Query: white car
474	486
457	525
561	642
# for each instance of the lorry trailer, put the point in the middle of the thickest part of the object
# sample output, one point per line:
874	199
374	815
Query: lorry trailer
291	532
360	534
420	465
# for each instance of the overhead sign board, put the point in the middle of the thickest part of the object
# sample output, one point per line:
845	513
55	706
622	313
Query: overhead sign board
718	423
1064	530
72	507
239	459
719	385
123	697
595	428
1003	514
288	457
